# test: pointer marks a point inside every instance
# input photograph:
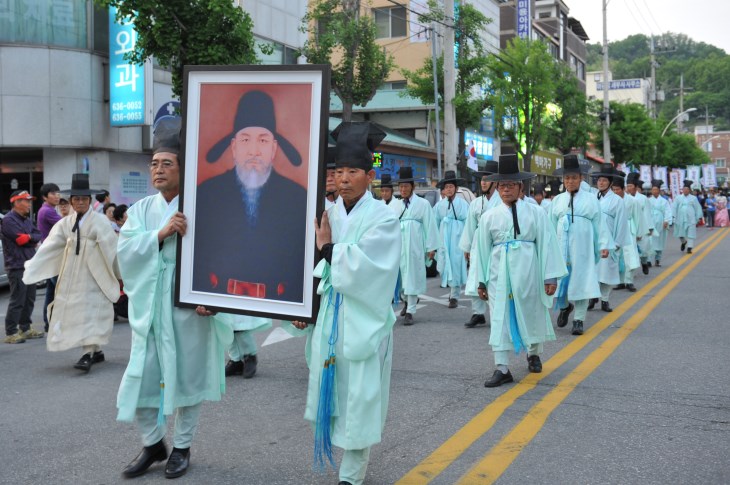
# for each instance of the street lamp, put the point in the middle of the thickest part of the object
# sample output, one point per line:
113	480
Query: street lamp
677	117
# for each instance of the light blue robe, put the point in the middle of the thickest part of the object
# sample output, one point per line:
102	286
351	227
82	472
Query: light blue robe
419	236
687	213
467	244
615	224
646	224
634	214
396	206
522	265
364	269
579	236
450	219
190	347
661	212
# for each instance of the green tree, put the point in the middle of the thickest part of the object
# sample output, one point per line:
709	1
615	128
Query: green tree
678	150
471	74
569	126
633	134
187	32
340	36
523	83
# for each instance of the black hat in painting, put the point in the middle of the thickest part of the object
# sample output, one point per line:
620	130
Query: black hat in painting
386	181
80	186
509	170
570	165
166	136
356	142
450	178
255	108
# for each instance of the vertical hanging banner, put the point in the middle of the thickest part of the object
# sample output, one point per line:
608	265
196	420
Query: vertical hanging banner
674	184
524	19
693	174
130	85
682	176
660	173
645	171
709	178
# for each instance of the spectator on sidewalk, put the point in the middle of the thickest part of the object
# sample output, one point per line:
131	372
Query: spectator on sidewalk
19	238
47	218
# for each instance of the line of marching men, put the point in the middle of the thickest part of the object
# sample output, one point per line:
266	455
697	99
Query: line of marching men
527	256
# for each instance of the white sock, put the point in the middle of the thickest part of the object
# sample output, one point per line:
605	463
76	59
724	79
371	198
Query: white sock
502	368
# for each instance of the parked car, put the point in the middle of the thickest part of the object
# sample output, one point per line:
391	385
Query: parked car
3	274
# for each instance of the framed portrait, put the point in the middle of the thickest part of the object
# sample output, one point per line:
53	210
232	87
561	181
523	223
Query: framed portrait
252	184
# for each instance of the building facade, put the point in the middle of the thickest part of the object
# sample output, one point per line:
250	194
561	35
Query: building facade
620	90
717	146
55	78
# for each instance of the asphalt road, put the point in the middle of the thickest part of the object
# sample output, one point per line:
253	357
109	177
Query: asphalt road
654	409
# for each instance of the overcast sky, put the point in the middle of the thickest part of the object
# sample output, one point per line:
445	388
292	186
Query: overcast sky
702	20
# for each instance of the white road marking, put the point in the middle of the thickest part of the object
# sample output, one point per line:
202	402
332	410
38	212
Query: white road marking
277	335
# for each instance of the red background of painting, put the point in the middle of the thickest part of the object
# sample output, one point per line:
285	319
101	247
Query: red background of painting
218	104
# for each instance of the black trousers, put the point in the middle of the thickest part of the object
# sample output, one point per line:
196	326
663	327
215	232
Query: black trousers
22	301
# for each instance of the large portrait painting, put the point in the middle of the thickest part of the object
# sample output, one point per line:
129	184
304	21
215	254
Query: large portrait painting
252	185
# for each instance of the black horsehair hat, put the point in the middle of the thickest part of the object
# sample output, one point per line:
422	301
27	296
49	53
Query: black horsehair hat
658	183
167	135
539	188
509	170
386	181
356	142
450	178
405	174
634	178
570	165
554	186
619	180
80	186
255	108
688	183
491	167
607	170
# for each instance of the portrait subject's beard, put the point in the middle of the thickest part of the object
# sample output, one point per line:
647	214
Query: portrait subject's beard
252	178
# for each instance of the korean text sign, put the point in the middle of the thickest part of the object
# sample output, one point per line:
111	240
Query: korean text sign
126	80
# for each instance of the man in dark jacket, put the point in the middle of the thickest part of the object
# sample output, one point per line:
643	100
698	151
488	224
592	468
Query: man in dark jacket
250	222
20	238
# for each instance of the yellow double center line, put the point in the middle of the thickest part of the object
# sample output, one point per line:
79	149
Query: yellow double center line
502	455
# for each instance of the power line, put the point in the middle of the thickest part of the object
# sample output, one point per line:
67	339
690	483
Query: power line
652	16
646	23
638	24
411	10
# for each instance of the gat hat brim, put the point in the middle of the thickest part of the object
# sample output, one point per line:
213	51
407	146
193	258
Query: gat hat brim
255	108
581	170
450	178
80	186
514	177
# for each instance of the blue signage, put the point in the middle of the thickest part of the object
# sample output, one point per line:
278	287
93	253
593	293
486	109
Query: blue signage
479	146
621	84
524	19
126	80
392	163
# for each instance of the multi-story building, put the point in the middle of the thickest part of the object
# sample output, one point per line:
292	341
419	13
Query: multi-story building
55	77
620	90
549	21
717	146
408	41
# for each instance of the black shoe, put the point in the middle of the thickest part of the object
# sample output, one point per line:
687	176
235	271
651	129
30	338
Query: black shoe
249	366
645	268
453	303
620	287
84	363
577	327
97	357
684	245
145	459
658	263
605	307
689	250
499	378
533	364
631	288
408	320
475	320
405	308
344	483
178	463
564	314
234	368
592	303
648	263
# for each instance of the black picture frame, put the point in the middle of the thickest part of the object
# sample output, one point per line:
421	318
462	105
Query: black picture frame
249	245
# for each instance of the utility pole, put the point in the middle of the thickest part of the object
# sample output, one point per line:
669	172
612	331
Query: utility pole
680	128
434	61
450	133
652	99
606	87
